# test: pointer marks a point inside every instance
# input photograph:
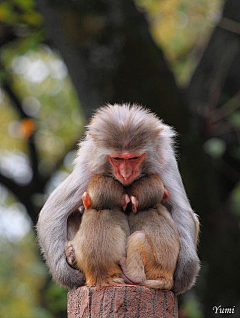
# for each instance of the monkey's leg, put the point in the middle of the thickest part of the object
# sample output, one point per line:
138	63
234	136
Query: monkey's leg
70	255
133	265
141	264
160	283
118	281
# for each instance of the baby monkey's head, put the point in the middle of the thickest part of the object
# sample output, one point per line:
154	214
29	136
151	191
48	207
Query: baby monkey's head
106	193
148	190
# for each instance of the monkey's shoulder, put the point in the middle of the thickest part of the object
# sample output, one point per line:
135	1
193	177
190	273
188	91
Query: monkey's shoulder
154	218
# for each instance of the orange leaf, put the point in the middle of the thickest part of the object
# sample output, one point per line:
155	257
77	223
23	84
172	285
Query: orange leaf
27	127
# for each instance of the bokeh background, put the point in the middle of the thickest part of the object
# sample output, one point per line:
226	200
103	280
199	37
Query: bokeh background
60	60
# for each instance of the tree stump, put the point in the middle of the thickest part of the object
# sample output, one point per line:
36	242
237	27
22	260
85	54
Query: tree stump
125	301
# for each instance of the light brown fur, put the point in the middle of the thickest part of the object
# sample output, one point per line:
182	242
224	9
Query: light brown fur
101	240
153	247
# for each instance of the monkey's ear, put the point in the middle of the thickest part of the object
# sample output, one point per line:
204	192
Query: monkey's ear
165	195
86	200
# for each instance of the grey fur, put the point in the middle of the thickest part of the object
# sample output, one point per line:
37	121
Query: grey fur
91	159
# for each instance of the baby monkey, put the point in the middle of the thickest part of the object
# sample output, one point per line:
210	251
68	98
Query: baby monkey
148	256
153	246
100	242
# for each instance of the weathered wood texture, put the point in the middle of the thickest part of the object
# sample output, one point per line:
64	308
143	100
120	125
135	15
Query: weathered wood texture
121	301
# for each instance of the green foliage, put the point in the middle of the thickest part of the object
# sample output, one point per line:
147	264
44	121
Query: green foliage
20	12
181	28
235	119
40	79
215	147
235	200
191	308
21	278
56	298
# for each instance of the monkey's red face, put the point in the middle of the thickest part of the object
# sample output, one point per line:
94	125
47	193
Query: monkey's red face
126	166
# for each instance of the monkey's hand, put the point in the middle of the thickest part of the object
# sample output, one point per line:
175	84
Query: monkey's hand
125	201
134	202
81	209
86	200
70	255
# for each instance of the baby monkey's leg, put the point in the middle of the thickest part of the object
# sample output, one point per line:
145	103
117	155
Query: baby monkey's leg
141	264
69	249
133	264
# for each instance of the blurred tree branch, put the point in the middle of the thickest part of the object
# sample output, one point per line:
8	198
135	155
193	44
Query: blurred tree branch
116	58
24	193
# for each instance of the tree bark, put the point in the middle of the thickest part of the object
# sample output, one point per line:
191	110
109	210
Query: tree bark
128	301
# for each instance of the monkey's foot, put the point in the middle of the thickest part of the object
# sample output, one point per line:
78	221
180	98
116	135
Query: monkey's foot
70	255
118	281
125	201
125	275
134	202
160	283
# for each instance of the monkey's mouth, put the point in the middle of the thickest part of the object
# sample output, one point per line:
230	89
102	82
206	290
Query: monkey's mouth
126	180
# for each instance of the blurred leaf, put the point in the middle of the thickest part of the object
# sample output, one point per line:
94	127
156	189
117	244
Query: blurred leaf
7	13
56	298
191	308
179	26
235	198
25	4
215	147
32	18
20	285
234	119
27	127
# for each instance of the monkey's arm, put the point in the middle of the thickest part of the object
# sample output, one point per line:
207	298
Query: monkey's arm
52	227
187	224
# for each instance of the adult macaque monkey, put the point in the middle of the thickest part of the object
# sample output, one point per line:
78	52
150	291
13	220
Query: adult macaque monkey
126	142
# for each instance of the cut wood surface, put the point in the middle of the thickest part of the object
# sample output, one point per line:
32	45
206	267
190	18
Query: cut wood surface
125	301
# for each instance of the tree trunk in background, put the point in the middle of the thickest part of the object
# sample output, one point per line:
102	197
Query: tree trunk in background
112	58
121	301
215	81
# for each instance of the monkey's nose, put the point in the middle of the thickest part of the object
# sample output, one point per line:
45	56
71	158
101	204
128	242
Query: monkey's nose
126	173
